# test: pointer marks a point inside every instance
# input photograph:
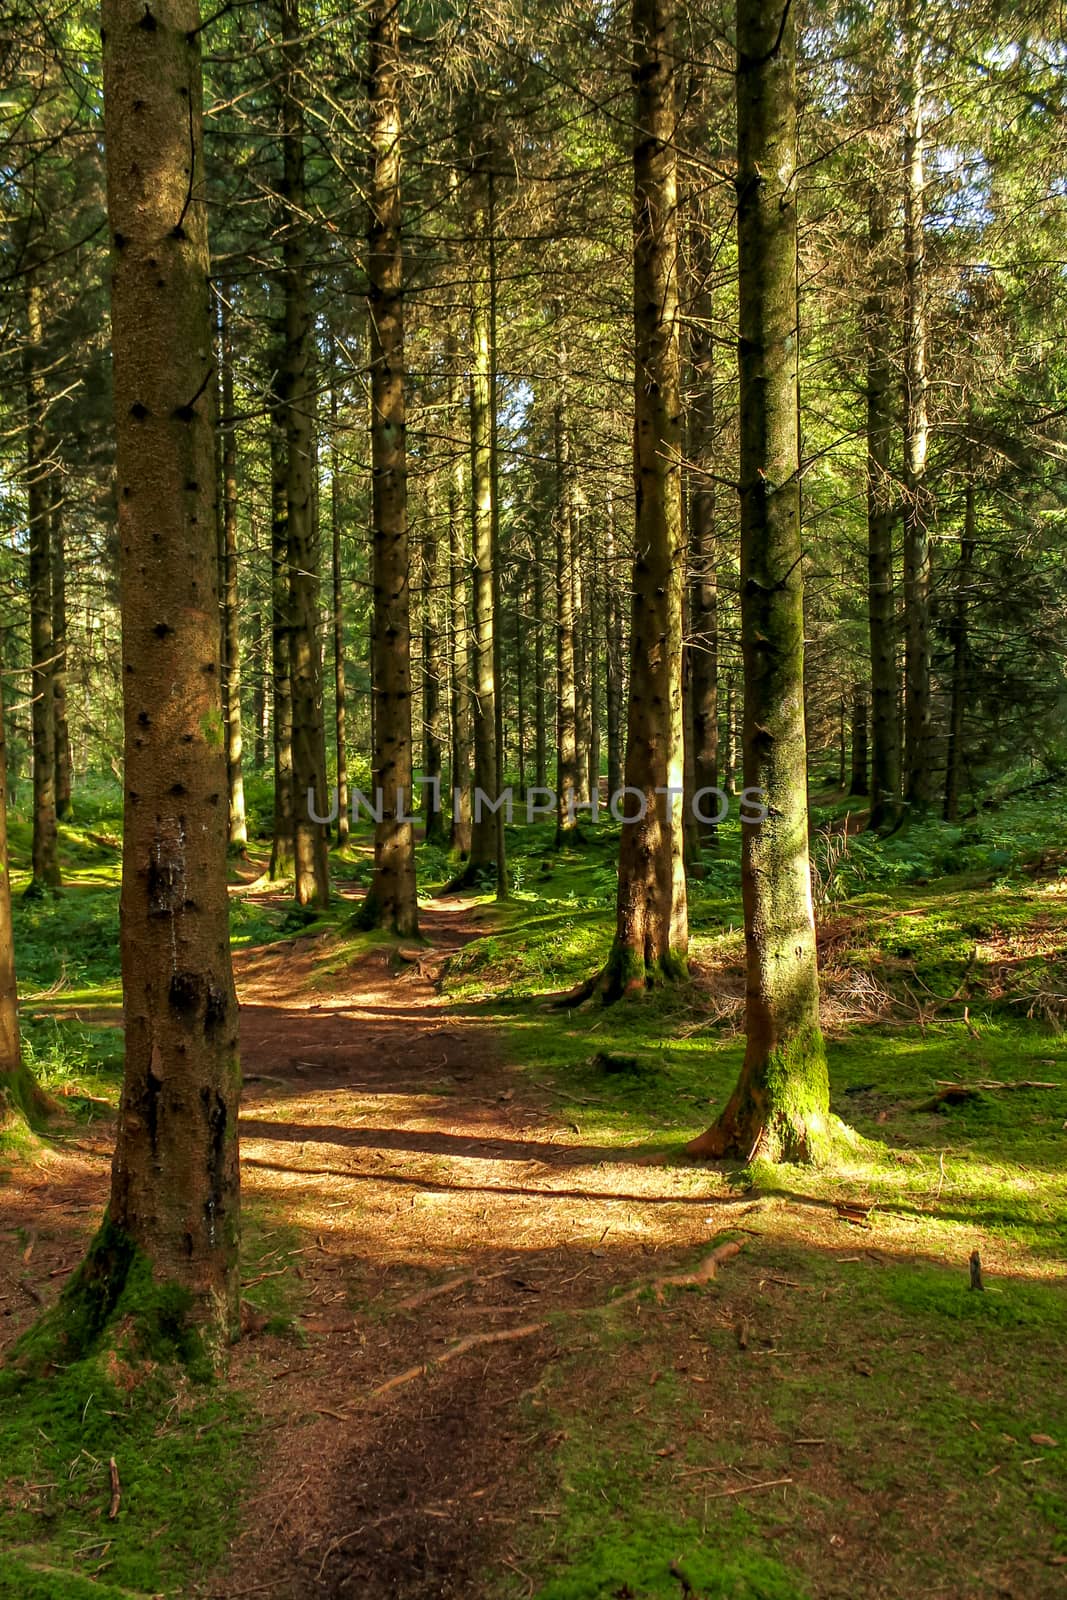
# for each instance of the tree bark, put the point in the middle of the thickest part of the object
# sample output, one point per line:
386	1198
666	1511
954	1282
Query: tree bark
651	931
391	901
231	630
613	654
780	1106
311	865
433	666
960	659
858	777
45	858
484	844
458	636
174	1183
703	648
19	1094
59	653
885	722
338	619
566	687
281	855
917	498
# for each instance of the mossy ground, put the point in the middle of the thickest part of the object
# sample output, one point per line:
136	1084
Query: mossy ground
922	1427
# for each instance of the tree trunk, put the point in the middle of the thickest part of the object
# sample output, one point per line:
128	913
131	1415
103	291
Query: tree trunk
592	636
729	776
651	932
917	499
780	1106
483	852
338	617
885	725
311	864
858	781
540	698
703	588
494	517
231	650
45	859
59	653
960	657
583	699
432	675
613	654
566	686
19	1094
281	855
174	1184
391	901
458	636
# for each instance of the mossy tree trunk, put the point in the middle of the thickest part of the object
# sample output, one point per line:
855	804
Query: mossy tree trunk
19	1095
885	720
651	933
44	858
231	616
337	616
917	498
174	1183
858	783
539	696
311	842
391	900
780	1106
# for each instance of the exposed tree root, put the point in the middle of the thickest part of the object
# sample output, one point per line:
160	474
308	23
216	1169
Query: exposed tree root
705	1273
460	1348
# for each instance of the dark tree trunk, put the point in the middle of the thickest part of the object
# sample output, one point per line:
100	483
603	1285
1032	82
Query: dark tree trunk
338	619
960	660
458	635
311	841
433	672
917	498
19	1095
59	653
484	844
858	778
885	722
651	930
281	855
566	684
703	647
174	1184
613	654
540	698
45	859
391	901
780	1106
231	631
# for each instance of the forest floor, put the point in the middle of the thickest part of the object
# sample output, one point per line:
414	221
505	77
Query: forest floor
447	1389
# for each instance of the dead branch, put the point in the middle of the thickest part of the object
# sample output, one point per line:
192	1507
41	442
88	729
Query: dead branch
116	1490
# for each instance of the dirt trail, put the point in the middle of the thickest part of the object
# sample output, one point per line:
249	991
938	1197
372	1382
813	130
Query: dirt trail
393	1134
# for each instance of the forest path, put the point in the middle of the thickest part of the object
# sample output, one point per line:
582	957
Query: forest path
390	1132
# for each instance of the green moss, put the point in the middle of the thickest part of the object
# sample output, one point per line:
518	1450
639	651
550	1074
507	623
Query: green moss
649	1559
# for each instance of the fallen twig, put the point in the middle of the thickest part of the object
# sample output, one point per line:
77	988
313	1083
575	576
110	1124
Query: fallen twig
116	1490
748	1488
